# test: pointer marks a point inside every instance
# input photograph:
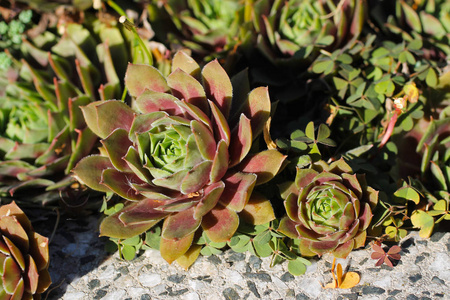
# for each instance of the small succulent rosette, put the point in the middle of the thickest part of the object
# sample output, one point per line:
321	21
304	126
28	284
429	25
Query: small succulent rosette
42	130
24	256
202	26
184	155
328	209
301	27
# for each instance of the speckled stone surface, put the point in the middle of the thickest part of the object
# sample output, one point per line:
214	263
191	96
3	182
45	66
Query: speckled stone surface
81	269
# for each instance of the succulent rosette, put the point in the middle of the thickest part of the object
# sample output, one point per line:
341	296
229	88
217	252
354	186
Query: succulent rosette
300	28
428	21
328	209
24	256
184	155
205	27
42	130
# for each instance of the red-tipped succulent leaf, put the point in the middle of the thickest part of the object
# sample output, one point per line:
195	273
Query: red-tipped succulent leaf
183	155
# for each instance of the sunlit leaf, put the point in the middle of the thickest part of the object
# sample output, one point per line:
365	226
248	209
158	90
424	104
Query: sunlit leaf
424	221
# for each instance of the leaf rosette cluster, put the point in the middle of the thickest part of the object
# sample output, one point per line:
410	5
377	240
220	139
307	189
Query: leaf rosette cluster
42	130
183	155
24	256
328	209
205	27
300	28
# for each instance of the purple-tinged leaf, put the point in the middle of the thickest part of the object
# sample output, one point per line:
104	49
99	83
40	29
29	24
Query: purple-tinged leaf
205	139
287	227
143	123
343	250
180	225
192	112
238	188
220	224
432	25
141	212
359	18
322	247
220	162
39	251
122	184
221	128
340	166
89	171
258	109
411	17
291	205
212	194
103	117
84	144
139	78
304	177
351	180
186	63
14	167
155	192
13	210
116	146
151	101
135	165
26	151
241	141
31	278
112	226
186	87
365	217
172	182
326	177
265	165
348	217
218	86
353	231
196	178
179	205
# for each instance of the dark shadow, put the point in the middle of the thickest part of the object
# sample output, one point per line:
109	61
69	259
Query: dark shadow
75	248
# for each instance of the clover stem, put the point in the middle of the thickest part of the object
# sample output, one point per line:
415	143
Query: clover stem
116	7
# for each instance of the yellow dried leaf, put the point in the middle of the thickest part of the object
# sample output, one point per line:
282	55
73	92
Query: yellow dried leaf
349	280
267	138
342	280
331	285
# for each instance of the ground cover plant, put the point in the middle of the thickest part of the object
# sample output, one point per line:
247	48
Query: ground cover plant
288	129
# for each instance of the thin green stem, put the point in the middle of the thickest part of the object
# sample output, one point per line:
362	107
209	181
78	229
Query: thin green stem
116	7
130	26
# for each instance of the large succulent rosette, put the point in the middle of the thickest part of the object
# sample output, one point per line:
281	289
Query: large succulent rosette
42	130
184	155
328	209
24	256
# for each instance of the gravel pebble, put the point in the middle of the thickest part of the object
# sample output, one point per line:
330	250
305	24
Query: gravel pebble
82	270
